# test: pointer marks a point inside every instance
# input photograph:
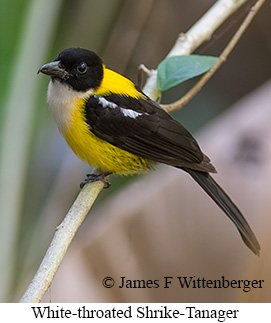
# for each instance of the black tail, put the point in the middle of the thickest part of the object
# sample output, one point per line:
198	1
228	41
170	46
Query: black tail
226	204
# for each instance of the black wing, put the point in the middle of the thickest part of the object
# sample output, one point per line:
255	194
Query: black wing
143	128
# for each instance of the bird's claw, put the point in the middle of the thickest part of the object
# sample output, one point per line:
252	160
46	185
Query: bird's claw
91	178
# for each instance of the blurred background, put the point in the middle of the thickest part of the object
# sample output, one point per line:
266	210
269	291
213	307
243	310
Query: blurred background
144	227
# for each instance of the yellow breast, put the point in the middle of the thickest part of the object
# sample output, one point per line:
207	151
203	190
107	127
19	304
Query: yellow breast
98	152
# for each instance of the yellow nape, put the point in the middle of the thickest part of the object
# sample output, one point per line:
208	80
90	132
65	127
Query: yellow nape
97	152
115	83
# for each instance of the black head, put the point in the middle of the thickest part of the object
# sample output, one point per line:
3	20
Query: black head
79	68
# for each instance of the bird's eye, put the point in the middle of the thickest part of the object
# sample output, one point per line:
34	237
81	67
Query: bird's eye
82	68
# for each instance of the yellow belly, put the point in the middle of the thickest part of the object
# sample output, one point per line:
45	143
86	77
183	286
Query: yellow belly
99	153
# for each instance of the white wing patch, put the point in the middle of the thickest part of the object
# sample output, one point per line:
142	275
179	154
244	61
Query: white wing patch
107	104
130	113
111	105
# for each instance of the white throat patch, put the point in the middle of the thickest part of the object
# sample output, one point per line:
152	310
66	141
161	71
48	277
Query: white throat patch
62	101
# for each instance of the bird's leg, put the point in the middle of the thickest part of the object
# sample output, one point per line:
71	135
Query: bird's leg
97	177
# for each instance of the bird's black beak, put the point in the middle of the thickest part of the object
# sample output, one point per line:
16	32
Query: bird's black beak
55	70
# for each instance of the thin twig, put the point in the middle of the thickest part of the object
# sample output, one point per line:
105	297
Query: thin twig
142	69
200	32
222	58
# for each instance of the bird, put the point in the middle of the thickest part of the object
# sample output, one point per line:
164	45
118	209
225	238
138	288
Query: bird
115	127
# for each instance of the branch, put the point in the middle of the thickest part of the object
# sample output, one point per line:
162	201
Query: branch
65	232
63	237
222	58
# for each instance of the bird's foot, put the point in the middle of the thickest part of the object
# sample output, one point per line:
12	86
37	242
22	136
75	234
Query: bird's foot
96	177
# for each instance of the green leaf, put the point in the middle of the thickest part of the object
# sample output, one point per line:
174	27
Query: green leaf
177	69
